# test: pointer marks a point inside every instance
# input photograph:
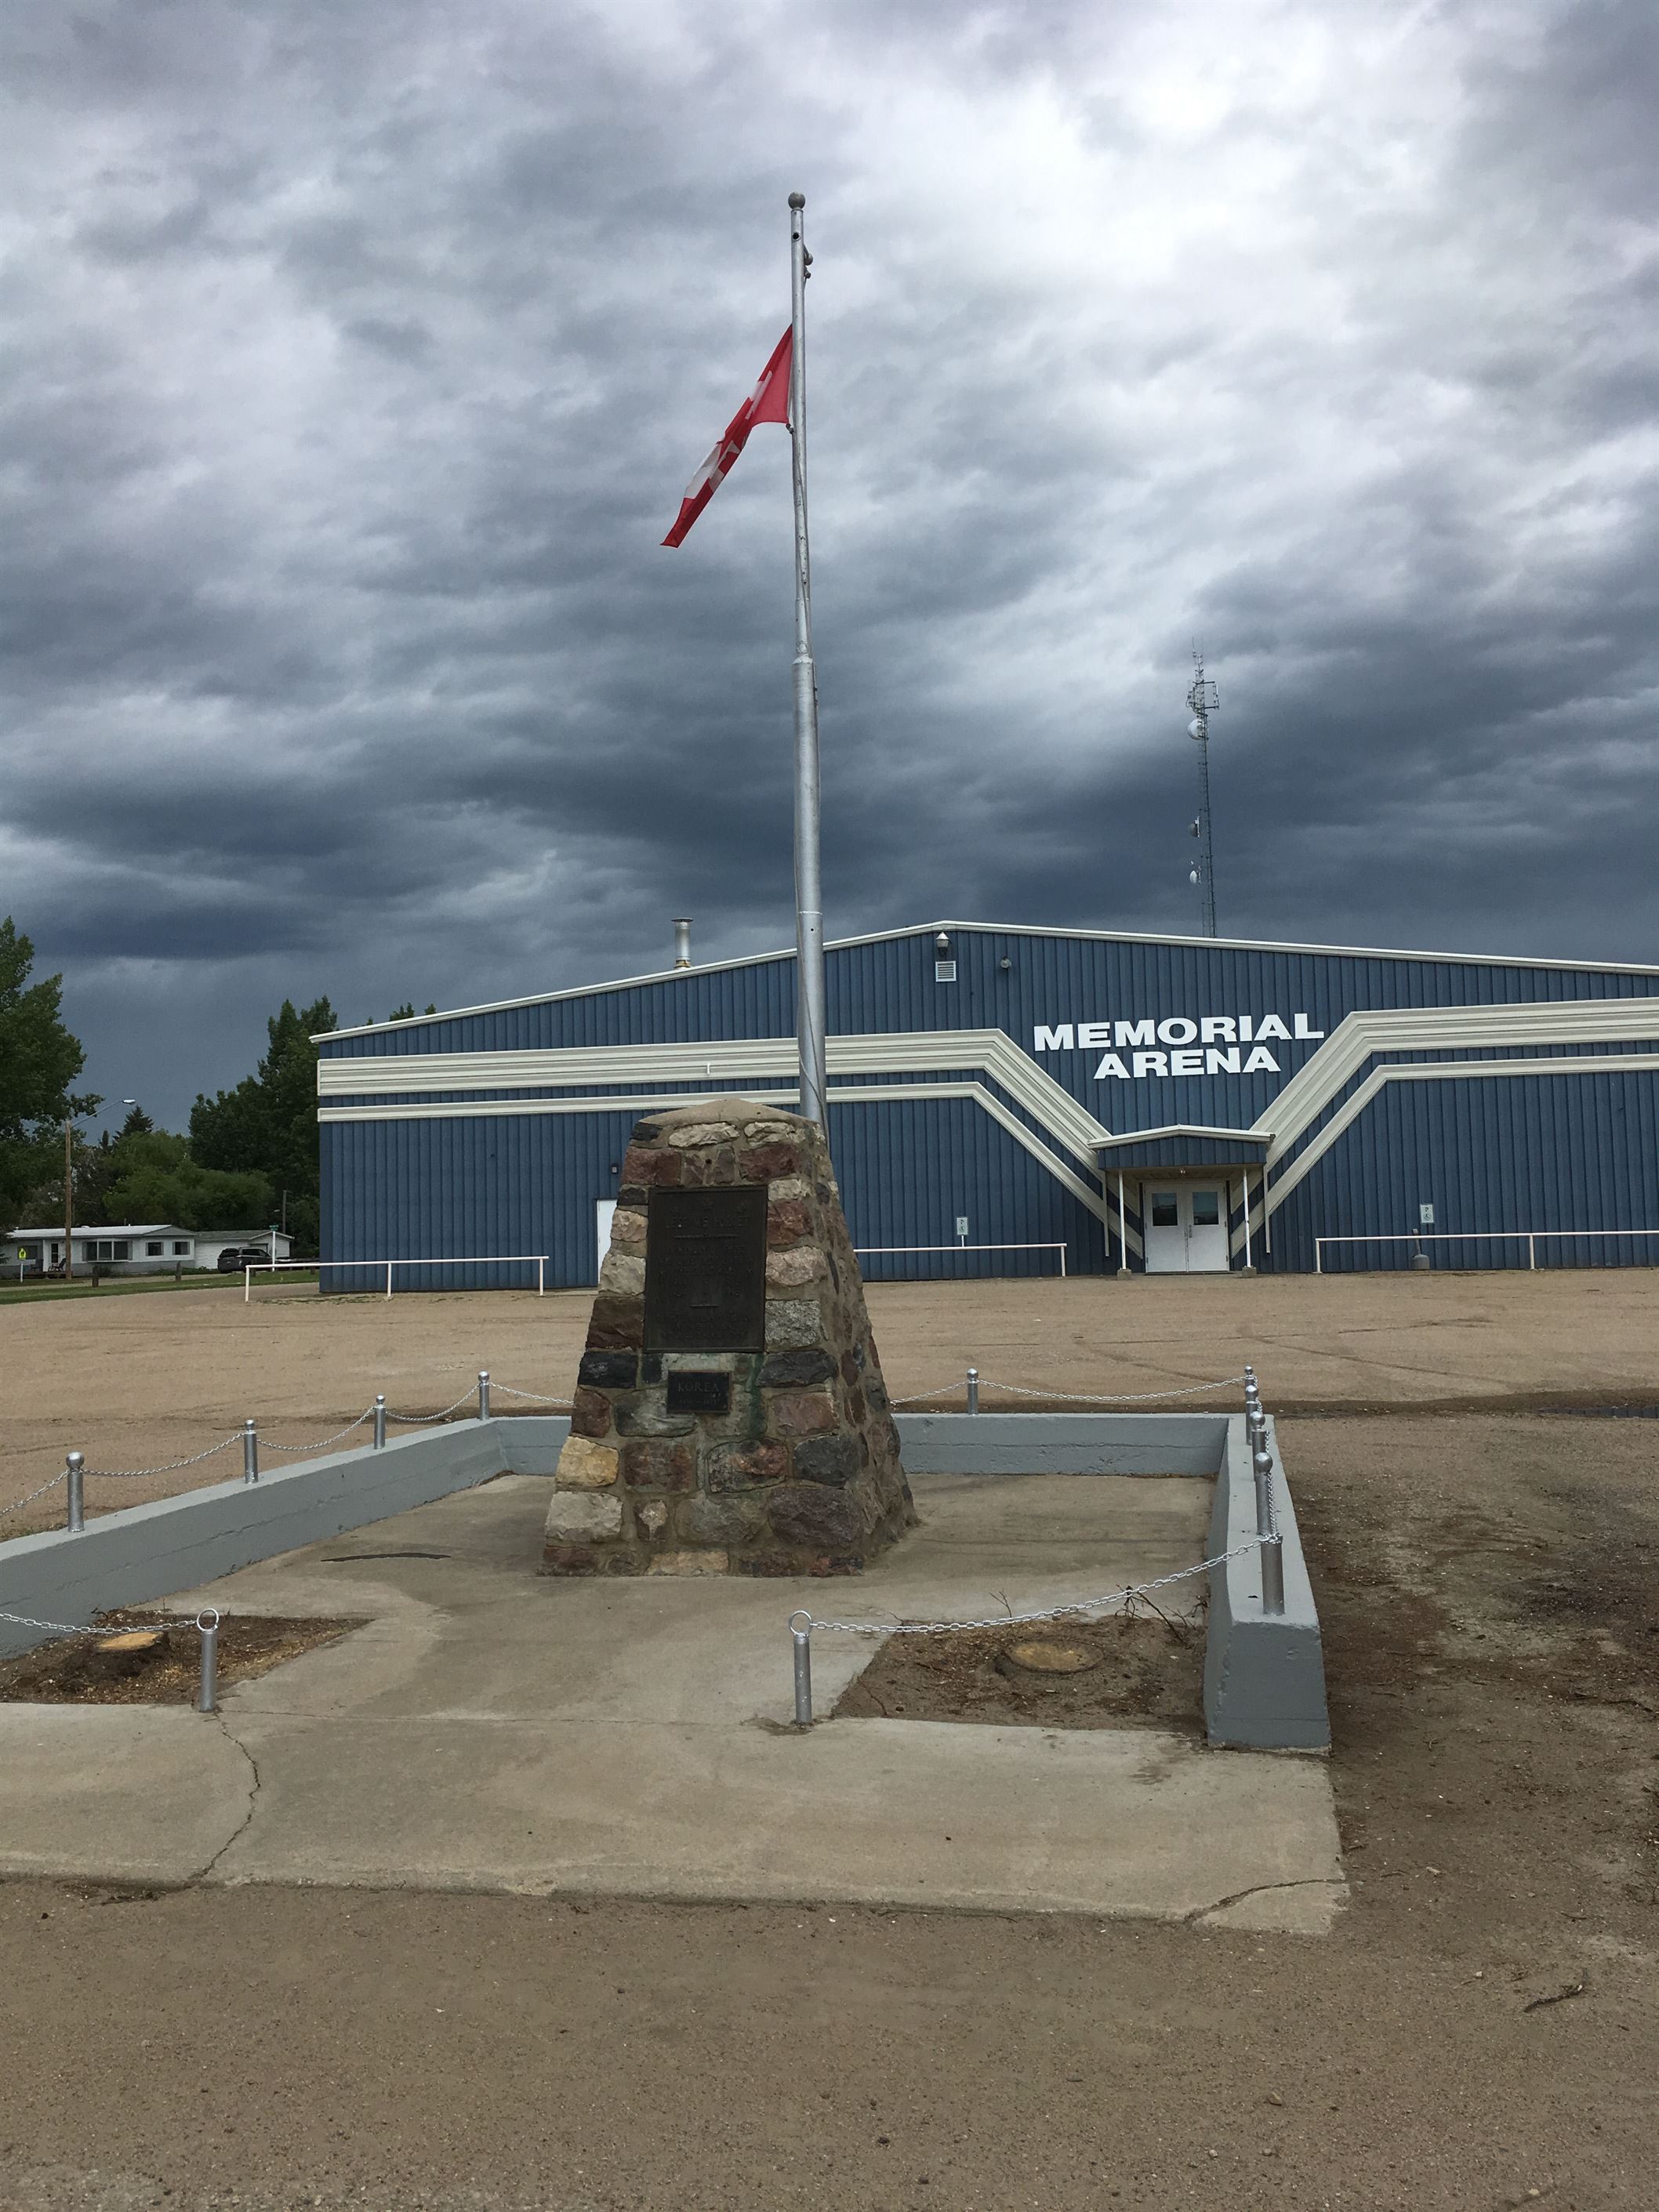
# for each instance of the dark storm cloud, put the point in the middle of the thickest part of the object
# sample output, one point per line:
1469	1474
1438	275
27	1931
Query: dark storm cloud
356	359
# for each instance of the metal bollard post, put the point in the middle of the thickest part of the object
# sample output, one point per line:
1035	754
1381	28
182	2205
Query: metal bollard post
74	1464
1273	1556
973	1389
483	1394
250	1452
380	1420
207	1695
803	1642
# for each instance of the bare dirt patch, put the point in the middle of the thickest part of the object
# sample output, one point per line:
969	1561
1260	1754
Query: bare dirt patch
76	1671
1137	1672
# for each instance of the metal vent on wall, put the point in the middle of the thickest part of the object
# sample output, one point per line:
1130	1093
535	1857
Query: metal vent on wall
945	972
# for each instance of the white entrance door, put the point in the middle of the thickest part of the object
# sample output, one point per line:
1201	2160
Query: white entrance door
604	1211
1185	1228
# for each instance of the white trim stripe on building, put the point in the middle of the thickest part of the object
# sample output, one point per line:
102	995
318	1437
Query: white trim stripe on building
1356	1039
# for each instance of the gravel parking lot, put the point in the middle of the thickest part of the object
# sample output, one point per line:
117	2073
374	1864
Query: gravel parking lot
134	1382
1481	2029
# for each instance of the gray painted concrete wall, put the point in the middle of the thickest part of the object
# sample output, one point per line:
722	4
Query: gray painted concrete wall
148	1552
1264	1682
1264	1674
1061	1444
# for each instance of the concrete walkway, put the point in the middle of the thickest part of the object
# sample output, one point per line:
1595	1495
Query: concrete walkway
492	1729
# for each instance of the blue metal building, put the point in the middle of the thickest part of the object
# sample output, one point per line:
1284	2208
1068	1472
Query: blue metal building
1150	1103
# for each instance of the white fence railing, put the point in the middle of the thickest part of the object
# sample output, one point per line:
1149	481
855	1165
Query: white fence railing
873	1251
539	1260
1531	1238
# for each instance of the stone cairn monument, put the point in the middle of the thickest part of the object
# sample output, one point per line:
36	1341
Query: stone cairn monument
730	1416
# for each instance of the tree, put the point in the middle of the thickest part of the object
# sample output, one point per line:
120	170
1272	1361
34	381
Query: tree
38	1060
154	1178
267	1124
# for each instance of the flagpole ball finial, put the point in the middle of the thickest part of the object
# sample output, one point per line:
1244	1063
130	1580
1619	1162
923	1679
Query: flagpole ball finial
798	199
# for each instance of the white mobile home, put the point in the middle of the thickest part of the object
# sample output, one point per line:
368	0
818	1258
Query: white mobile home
142	1248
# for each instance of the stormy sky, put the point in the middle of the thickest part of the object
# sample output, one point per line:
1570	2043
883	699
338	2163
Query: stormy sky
355	358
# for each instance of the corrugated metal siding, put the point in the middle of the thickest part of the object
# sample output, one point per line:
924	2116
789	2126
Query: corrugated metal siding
890	984
528	1183
428	1189
907	1172
1540	1153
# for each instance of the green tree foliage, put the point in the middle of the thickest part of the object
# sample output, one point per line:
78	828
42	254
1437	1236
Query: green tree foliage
153	1178
38	1060
267	1125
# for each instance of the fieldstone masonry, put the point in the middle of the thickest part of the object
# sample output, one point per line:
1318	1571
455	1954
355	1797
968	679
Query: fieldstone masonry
798	1473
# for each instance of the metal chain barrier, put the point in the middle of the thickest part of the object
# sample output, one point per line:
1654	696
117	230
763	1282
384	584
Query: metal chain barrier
138	1473
1079	1609
268	1444
1112	1397
1071	1397
206	1624
80	1628
467	1397
18	1503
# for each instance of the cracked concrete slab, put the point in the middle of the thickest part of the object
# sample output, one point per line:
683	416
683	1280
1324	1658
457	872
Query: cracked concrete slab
873	1812
492	1729
134	1793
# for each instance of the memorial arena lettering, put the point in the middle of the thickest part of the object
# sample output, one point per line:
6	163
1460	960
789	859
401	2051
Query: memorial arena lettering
1214	1044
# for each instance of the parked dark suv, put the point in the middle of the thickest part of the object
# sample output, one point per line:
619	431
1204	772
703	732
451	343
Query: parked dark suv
235	1257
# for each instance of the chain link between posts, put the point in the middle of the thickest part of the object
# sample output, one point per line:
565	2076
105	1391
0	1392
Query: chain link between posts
269	1444
1080	1609
467	1397
18	1503
139	1474
540	1398
1074	1397
125	1628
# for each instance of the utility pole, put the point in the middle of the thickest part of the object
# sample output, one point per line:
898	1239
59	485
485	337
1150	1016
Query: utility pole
68	1200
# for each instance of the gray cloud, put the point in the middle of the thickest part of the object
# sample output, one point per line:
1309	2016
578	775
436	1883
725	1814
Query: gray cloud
356	360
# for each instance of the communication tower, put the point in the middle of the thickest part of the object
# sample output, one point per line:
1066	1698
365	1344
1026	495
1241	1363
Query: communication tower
1203	699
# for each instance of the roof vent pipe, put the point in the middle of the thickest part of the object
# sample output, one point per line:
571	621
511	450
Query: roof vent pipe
683	940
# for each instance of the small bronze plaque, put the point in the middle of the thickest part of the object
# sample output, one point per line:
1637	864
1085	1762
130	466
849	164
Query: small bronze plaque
705	1270
692	1393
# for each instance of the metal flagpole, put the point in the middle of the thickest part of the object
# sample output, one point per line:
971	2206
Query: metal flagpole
809	897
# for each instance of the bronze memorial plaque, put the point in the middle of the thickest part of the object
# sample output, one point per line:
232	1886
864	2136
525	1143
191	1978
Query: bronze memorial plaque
705	1270
692	1391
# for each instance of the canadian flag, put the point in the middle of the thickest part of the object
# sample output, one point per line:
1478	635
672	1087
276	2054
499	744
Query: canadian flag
767	402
